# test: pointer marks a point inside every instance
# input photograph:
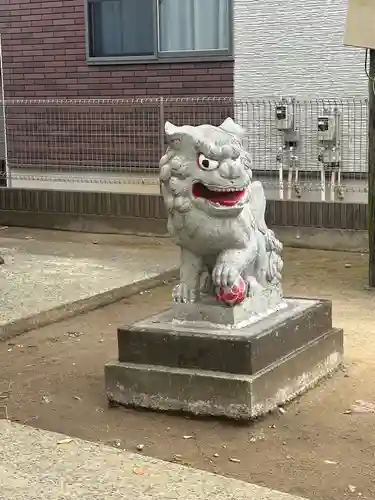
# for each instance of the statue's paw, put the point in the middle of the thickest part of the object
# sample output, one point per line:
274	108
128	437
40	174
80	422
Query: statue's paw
225	275
253	287
182	294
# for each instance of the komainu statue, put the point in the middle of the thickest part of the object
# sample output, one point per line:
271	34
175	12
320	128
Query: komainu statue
216	214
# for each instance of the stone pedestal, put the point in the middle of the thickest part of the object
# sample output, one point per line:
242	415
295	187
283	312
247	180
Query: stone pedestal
238	369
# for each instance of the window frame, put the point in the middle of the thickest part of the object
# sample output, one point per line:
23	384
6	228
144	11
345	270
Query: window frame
159	57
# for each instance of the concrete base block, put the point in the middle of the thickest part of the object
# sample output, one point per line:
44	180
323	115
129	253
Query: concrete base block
239	373
208	310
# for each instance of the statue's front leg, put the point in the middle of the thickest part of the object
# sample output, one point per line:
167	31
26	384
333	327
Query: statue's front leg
227	277
227	270
232	264
234	274
190	271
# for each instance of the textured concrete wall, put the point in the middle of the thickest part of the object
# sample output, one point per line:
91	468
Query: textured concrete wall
295	49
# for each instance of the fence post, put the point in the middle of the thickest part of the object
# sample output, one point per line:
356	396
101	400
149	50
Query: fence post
3	108
371	170
161	126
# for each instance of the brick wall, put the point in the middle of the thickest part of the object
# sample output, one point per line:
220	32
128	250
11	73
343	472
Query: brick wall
44	57
105	137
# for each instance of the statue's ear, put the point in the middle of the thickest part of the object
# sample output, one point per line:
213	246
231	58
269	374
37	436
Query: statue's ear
232	128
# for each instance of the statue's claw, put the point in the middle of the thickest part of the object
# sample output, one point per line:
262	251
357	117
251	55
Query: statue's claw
253	287
182	294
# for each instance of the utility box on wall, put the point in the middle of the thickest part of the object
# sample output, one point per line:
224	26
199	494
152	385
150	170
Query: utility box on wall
360	24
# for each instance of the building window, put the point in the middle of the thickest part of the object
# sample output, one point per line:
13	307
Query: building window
157	29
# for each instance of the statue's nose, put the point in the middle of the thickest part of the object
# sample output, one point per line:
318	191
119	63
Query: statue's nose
230	170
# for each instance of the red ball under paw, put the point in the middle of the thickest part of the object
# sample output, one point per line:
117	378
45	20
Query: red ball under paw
233	295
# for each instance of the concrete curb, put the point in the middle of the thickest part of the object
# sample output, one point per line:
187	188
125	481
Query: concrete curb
70	309
37	464
344	240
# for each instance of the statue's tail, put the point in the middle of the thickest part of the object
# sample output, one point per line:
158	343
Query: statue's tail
272	243
274	249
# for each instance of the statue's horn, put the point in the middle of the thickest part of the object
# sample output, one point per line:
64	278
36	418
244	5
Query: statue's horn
232	127
170	129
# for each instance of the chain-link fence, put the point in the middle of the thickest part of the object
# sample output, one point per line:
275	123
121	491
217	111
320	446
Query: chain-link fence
301	149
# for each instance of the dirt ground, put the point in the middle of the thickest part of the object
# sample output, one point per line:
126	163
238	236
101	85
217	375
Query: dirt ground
52	378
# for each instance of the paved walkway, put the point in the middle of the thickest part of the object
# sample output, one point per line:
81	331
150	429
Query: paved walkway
49	275
40	465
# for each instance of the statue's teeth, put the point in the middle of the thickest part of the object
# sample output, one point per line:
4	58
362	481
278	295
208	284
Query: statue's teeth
224	190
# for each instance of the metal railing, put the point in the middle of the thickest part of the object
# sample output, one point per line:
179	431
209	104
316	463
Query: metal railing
115	145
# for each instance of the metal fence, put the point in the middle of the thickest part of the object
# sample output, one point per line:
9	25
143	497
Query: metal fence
115	145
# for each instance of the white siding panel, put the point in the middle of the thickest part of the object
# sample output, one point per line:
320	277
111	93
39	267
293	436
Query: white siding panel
295	48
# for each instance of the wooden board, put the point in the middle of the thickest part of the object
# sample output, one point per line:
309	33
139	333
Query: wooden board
360	24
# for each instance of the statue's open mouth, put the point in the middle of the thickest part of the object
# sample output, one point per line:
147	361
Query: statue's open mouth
225	197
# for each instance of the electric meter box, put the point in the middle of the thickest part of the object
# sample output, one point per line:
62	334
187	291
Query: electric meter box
360	22
284	116
327	128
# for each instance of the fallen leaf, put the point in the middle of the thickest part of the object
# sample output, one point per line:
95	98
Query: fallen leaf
257	436
361	406
138	471
65	441
114	442
74	334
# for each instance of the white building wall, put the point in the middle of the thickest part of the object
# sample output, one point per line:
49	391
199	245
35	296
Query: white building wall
294	48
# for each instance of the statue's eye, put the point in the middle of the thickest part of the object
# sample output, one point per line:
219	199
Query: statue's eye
206	164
